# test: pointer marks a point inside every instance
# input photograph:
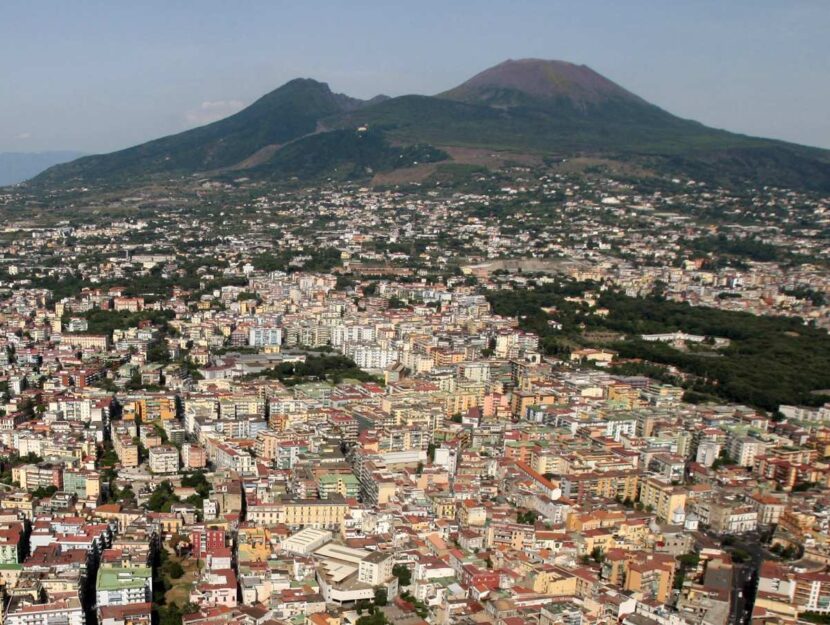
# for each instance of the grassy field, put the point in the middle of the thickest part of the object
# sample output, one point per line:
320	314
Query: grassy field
180	588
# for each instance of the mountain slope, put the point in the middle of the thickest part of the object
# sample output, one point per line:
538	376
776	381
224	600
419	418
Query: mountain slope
605	128
278	117
19	166
545	107
343	154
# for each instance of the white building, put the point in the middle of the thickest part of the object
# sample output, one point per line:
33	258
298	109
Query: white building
226	456
264	336
707	453
306	541
68	612
164	459
376	568
123	586
373	356
744	449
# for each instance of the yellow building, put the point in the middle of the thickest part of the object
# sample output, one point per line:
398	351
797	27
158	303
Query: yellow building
608	484
798	522
126	450
254	544
463	398
92	483
599	539
443	507
151	407
555	581
301	513
472	513
649	574
510	536
522	400
169	523
663	498
18	501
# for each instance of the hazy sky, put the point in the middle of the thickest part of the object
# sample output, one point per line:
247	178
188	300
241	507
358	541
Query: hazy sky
101	75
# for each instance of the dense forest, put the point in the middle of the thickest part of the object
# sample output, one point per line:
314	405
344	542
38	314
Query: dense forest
769	361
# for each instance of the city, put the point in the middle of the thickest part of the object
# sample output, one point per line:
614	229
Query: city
263	410
458	334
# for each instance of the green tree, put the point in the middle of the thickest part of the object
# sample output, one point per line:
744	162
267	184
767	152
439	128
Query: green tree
380	596
404	575
377	618
175	570
162	498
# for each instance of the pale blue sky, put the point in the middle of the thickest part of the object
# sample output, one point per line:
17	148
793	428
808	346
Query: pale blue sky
101	75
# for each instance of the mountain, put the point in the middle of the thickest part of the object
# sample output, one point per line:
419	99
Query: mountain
534	106
19	166
254	133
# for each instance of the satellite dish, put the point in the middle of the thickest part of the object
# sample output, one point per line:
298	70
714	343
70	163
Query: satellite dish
556	494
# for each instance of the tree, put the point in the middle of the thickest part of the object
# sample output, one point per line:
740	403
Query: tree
169	615
689	560
404	575
198	481
125	494
723	460
377	618
40	492
740	555
157	351
419	606
527	517
175	570
380	596
162	498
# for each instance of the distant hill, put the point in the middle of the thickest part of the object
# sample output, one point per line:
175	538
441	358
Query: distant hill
554	108
19	166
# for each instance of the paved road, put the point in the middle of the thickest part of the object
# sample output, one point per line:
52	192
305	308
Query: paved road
743	594
745	578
